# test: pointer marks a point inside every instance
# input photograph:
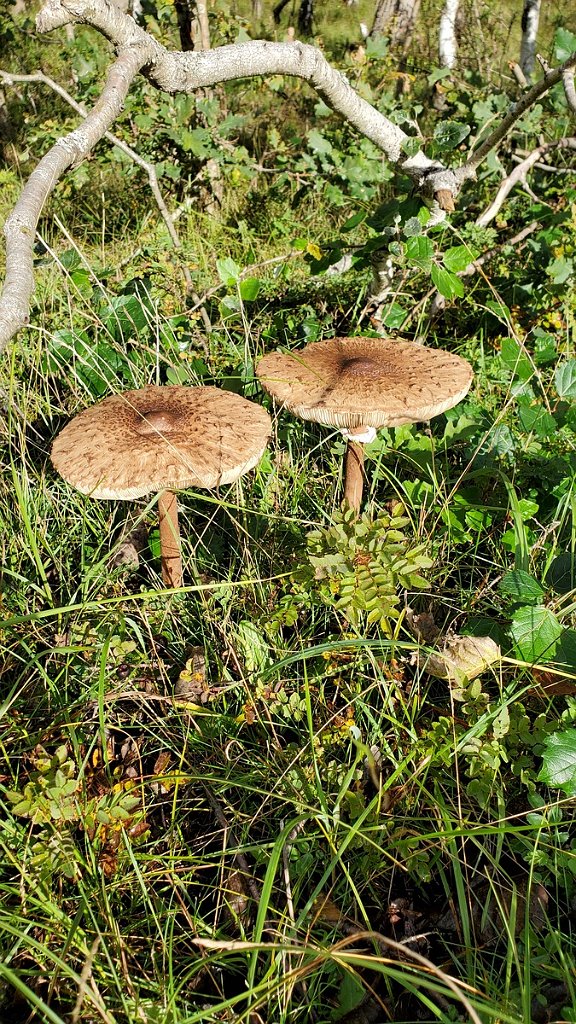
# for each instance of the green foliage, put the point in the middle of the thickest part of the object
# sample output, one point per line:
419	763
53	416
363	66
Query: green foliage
329	762
362	563
559	762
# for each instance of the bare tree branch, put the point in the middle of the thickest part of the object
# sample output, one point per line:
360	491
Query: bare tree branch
551	77
69	151
569	90
187	72
519	174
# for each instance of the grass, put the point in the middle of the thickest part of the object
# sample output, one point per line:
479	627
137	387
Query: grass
229	803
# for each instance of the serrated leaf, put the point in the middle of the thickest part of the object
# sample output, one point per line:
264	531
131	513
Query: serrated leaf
515	358
318	143
564	44
536	633
419	250
559	761
521	586
458	257
447	284
565	379
449	134
536	419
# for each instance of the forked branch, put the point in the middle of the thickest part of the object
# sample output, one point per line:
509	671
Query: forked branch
187	72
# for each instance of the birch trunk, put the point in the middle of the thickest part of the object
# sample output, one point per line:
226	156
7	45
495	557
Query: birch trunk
530	20
396	19
447	44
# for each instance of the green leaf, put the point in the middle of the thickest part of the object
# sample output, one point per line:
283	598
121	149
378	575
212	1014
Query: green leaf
536	633
559	761
565	379
318	143
228	271
560	270
536	419
249	288
438	74
353	221
521	586
515	358
412	227
458	258
564	44
419	250
411	145
447	284
449	134
394	316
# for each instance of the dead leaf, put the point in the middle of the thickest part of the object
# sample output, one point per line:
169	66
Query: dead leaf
461	657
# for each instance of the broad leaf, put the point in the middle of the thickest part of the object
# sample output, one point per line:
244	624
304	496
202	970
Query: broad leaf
449	134
515	358
559	761
228	271
564	44
419	250
447	284
318	143
458	258
249	288
565	379
536	633
521	586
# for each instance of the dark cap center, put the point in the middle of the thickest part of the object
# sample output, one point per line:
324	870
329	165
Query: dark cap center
156	421
362	367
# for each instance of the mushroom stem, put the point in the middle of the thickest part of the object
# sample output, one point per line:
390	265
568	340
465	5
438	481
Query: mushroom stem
354	478
170	552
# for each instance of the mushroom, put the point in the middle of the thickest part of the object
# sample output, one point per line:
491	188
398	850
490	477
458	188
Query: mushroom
162	439
362	384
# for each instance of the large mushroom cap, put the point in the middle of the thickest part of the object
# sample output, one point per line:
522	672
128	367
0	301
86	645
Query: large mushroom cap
365	382
157	438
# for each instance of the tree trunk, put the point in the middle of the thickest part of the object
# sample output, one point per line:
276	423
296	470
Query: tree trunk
396	19
193	24
257	10
530	19
447	44
305	17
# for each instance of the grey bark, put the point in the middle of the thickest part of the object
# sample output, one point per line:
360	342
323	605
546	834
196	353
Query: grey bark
396	19
530	21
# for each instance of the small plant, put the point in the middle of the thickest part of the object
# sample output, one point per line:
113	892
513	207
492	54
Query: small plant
360	564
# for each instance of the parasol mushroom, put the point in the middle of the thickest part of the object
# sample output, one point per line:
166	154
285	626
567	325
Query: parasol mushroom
362	384
161	439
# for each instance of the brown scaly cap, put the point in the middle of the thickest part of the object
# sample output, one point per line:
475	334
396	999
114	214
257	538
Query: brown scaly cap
365	382
157	438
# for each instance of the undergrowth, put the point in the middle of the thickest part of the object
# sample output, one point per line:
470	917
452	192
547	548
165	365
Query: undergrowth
234	801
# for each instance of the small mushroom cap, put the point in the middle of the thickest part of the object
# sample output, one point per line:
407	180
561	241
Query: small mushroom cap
158	438
365	382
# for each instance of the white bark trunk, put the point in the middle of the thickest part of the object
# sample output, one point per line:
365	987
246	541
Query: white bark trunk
447	44
530	20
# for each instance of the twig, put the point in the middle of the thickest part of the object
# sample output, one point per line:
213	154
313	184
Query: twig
551	77
518	174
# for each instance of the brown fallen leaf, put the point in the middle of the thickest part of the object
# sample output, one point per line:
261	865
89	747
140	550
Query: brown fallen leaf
460	657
